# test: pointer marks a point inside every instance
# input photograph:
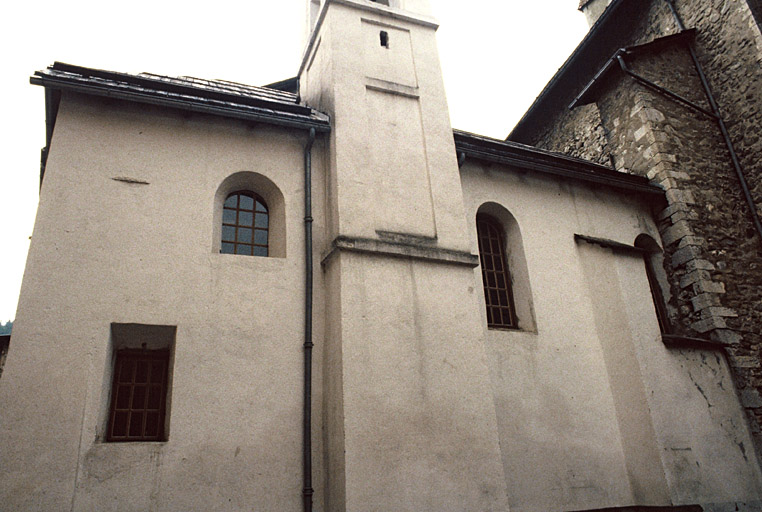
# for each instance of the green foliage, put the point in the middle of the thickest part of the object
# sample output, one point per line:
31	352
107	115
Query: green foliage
6	327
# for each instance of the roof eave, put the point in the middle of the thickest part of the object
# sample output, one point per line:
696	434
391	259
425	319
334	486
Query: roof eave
552	164
247	112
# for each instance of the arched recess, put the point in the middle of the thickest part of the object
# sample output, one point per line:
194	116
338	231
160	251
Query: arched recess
267	190
516	265
653	258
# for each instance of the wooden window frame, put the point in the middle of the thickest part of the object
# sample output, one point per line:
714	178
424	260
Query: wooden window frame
120	416
238	245
496	276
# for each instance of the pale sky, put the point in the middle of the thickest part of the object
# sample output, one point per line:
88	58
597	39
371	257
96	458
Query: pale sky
496	57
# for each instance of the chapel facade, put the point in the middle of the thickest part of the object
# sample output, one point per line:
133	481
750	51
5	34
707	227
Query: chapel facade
317	295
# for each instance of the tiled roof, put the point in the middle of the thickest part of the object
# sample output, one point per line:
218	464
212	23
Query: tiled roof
219	97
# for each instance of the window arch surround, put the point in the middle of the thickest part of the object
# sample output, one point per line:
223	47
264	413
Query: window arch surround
256	186
517	273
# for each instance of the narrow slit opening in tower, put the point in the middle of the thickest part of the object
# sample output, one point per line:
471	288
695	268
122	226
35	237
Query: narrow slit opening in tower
384	39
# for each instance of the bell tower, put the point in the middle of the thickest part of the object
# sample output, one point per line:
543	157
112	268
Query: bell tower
409	419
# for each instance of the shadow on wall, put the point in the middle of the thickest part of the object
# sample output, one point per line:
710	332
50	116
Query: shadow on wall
5	341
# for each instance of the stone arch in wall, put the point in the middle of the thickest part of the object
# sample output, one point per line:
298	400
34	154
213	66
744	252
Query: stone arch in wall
267	190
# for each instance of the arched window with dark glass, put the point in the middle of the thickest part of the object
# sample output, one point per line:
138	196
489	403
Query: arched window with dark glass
245	224
498	295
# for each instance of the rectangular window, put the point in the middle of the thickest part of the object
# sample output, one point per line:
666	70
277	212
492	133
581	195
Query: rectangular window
139	396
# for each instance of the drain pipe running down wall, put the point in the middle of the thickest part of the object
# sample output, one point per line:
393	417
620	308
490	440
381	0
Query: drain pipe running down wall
307	490
721	123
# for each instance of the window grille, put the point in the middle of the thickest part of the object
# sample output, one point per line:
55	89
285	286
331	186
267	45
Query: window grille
139	396
498	296
245	225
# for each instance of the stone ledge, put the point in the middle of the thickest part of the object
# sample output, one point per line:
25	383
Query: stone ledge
400	250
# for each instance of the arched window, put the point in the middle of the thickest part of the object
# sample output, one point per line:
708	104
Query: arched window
245	224
498	295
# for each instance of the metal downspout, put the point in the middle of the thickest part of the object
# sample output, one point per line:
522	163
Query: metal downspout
307	490
721	123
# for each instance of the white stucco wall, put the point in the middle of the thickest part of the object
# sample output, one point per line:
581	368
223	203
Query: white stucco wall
107	251
593	410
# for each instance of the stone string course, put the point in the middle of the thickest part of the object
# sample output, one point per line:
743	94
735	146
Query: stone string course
713	254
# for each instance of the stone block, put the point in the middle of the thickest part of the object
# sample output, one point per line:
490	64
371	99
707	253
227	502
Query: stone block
709	324
726	337
672	209
719	312
751	399
675	232
705	300
679	175
692	240
694	277
685	254
746	362
680	196
708	287
699	265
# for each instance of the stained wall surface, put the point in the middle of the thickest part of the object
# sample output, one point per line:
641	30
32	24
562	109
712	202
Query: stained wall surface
593	410
108	251
713	251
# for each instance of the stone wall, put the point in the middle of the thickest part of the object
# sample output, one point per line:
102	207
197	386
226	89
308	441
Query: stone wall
714	255
578	133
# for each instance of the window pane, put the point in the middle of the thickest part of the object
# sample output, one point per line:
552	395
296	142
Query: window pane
141	373
126	370
123	397
243	249
261	207
232	201
244	235
260	251
119	427
152	424
154	397
139	397
228	216
157	372
227	249
228	234
260	237
136	424
262	220
247	203
245	219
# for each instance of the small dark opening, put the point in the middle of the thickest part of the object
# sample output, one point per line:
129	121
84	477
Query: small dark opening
384	39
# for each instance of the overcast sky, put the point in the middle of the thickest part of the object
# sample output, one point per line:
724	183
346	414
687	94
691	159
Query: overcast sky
496	57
